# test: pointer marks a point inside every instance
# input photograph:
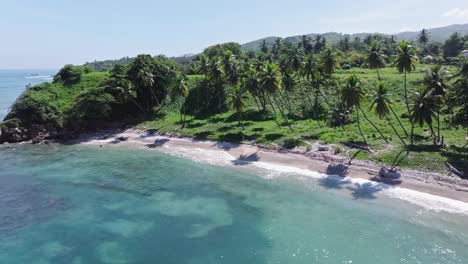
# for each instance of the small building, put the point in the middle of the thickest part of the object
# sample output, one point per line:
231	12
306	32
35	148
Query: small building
465	53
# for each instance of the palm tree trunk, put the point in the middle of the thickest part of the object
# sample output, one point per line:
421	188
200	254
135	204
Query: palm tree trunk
274	113
285	118
438	126
375	127
182	118
359	127
434	136
396	132
378	74
307	94
398	119
409	111
288	98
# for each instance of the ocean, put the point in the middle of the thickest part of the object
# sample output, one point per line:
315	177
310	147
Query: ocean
86	204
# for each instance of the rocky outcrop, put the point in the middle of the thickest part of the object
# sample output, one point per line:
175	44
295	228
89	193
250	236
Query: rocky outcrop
13	132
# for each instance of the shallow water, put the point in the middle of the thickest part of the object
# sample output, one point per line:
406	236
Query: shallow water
85	204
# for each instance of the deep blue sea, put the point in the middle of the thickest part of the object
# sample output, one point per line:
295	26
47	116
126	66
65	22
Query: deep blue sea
85	204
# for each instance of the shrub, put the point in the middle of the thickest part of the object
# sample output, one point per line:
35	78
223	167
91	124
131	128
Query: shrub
69	74
337	150
346	67
291	143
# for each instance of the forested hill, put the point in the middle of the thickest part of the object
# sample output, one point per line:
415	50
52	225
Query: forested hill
437	34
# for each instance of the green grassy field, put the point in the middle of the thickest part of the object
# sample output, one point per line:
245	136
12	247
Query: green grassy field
261	128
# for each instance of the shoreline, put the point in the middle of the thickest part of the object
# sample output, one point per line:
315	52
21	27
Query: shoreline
418	185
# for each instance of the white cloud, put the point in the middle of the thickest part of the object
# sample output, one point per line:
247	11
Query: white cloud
457	13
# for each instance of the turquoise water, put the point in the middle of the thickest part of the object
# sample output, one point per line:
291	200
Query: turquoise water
85	204
13	83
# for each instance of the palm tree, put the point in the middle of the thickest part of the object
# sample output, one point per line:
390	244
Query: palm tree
376	58
237	100
424	109
329	61
406	63
381	104
270	81
289	84
423	37
352	95
251	83
436	81
180	92
230	67
203	65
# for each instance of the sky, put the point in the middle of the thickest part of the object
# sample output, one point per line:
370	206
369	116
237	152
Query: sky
47	34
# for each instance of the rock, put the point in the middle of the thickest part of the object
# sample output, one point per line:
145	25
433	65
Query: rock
322	148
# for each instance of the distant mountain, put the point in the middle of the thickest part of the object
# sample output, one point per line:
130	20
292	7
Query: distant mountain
436	34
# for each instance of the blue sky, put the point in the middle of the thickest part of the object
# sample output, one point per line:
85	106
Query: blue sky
50	33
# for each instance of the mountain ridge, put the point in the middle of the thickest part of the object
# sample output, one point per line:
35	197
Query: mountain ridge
437	34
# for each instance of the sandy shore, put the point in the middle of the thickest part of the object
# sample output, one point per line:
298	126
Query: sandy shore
416	183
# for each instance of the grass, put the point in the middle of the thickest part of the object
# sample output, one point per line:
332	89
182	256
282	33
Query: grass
263	129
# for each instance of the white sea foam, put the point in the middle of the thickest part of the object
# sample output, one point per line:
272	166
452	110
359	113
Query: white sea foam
270	170
46	77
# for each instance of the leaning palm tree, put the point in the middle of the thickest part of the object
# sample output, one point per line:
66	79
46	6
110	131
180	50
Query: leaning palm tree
352	95
436	80
376	58
381	104
424	109
179	92
270	81
423	37
289	84
237	101
251	83
406	63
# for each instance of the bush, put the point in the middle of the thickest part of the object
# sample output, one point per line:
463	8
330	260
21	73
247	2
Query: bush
95	104
69	74
293	143
346	67
205	99
337	150
32	109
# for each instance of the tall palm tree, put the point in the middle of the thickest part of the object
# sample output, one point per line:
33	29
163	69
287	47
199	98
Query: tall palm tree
436	80
329	61
352	95
289	83
230	67
406	63
424	109
270	81
423	37
203	65
381	104
179	92
237	100
376	58
251	83
296	64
